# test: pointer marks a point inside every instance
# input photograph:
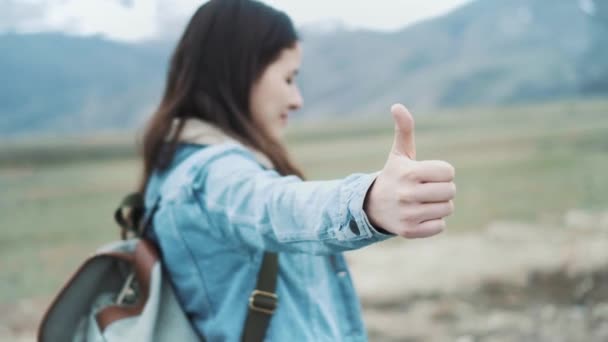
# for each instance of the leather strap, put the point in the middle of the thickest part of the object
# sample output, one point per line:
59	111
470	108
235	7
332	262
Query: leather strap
263	300
129	213
143	261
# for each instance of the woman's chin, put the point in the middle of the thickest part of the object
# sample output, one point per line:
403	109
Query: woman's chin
278	134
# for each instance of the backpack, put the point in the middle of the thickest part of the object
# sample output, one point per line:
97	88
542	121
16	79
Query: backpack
122	292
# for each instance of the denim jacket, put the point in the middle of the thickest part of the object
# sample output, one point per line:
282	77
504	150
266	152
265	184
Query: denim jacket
220	209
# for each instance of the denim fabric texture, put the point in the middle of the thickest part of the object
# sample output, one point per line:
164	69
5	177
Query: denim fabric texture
220	210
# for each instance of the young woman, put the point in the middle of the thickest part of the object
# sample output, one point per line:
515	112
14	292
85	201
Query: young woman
227	194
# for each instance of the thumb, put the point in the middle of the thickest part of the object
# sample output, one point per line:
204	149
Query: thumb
404	143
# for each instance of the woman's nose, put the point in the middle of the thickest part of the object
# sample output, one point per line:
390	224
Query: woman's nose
297	101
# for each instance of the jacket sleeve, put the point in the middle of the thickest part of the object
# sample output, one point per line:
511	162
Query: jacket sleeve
261	209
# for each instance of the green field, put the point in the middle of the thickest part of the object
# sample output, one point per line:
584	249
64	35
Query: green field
528	163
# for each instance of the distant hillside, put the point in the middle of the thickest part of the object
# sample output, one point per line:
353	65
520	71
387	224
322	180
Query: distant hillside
60	83
488	52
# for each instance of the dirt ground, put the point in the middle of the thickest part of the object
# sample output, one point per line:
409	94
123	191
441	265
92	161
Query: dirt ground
508	282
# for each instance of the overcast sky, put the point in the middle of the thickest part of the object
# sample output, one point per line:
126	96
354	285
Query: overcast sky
145	19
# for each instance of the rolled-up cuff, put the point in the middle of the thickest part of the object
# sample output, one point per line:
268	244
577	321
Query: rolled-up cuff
360	221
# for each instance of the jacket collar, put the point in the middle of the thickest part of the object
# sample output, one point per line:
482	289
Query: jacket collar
199	132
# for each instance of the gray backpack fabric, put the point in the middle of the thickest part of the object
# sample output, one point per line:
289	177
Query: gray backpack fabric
119	294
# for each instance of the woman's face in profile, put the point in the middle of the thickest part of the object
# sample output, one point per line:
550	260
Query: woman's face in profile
275	94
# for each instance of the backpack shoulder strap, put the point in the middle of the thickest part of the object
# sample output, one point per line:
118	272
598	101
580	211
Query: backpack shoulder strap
263	300
129	214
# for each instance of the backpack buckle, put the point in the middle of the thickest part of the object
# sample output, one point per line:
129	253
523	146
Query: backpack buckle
262	301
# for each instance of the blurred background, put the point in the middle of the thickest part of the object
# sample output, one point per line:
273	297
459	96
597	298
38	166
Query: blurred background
513	93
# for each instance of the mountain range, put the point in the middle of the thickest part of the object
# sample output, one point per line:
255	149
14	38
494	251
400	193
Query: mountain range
485	53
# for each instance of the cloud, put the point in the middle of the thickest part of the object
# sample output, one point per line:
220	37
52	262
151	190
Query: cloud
172	16
127	3
17	15
588	6
134	20
129	20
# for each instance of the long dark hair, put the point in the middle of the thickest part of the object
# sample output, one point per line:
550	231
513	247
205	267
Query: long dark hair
224	49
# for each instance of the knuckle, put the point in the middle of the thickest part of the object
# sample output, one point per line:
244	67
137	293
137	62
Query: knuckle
405	215
405	230
405	195
404	233
408	220
409	233
410	174
415	215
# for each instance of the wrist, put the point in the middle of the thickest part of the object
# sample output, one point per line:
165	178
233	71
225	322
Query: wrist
367	208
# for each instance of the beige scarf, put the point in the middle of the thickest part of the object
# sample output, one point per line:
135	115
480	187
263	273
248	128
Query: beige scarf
205	133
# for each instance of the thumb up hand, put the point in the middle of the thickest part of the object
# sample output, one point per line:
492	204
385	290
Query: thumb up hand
410	198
